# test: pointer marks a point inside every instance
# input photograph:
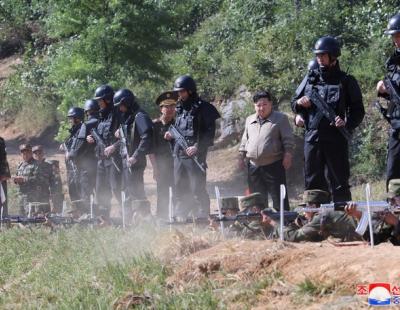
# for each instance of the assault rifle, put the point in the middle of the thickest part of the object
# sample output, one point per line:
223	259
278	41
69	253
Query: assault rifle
375	206
328	112
71	164
289	216
394	95
181	141
102	146
124	146
51	220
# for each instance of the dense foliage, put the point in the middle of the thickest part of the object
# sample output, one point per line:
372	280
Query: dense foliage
70	47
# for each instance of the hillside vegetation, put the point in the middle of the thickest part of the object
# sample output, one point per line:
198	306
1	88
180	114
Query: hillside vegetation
70	47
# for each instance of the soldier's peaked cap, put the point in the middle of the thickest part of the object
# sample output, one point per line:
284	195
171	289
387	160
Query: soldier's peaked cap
251	200
25	146
315	196
37	148
167	98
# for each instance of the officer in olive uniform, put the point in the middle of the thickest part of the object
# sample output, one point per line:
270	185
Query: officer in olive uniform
4	175
385	225
195	120
32	183
109	162
316	226
161	157
135	142
325	147
392	113
53	182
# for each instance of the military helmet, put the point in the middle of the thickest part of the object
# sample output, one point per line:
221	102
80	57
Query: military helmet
91	105
315	196
105	92
312	64
185	82
393	188
124	96
328	45
393	25
76	112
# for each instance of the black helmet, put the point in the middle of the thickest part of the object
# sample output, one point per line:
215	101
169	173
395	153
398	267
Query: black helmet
105	92
393	25
312	64
76	112
124	96
185	82
91	105
328	45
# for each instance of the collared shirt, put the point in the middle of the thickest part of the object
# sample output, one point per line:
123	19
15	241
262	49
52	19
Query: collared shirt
266	140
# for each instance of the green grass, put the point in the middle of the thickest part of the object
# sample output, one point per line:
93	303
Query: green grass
88	269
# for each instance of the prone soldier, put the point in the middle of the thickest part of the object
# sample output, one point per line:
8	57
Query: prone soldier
386	224
316	226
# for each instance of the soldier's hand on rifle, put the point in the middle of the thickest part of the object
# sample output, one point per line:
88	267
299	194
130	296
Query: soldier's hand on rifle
168	136
380	88
304	102
131	161
390	218
116	134
299	121
109	150
242	161
351	209
287	160
19	179
339	122
90	139
191	151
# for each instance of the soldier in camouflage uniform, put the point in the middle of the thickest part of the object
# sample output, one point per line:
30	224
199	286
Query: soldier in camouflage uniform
386	225
317	226
51	170
32	183
4	175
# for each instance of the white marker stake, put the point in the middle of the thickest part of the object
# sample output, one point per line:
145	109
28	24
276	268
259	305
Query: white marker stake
371	233
123	208
282	213
170	209
64	207
1	214
218	197
29	209
91	211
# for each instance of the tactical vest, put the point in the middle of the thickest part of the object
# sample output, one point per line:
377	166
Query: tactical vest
188	122
393	111
105	129
333	94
